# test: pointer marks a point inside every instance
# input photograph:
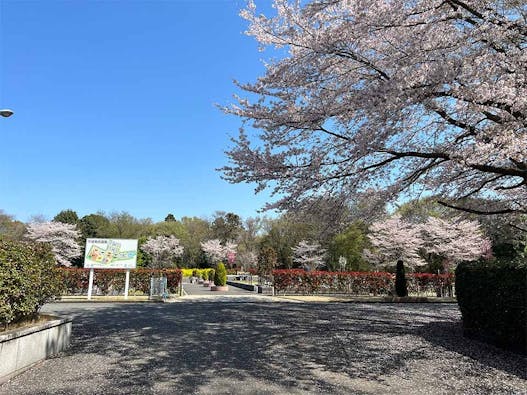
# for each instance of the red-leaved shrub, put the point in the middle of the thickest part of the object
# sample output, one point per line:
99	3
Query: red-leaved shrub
112	280
297	281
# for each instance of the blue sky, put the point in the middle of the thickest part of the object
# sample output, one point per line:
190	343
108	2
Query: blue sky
115	106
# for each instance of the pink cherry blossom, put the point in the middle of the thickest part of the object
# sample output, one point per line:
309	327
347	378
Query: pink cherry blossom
163	250
217	251
393	96
309	255
62	237
394	239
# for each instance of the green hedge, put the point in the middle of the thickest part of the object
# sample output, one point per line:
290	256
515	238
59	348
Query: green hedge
492	300
28	279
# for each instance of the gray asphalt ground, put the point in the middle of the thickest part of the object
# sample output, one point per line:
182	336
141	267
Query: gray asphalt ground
252	345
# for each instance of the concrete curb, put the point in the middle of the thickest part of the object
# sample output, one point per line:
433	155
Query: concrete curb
386	300
20	349
104	299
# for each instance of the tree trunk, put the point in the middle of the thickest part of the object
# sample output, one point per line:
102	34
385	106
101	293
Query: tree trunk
400	280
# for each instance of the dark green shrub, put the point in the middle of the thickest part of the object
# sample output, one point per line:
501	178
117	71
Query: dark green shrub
204	276
28	279
220	275
400	281
211	274
493	303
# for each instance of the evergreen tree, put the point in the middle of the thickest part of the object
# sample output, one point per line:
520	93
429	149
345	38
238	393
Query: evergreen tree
67	217
170	218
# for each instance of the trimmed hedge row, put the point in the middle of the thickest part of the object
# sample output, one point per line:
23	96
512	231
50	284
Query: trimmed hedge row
298	281
76	280
188	272
28	279
493	303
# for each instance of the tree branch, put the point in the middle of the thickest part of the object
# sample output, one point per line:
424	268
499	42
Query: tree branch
506	171
480	212
517	227
483	184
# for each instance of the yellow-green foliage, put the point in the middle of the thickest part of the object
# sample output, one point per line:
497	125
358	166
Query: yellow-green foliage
188	272
220	275
211	274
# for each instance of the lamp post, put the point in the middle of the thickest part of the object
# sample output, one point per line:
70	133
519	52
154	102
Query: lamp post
6	112
342	263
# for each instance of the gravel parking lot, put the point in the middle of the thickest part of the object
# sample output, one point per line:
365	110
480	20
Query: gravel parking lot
255	346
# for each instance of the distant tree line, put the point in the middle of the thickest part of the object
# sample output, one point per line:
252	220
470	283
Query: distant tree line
314	237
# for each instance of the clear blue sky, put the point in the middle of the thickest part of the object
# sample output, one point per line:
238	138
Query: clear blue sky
115	106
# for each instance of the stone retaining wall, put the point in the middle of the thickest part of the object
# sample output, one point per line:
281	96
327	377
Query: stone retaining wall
22	348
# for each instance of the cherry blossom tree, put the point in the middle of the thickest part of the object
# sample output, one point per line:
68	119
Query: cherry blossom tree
392	97
62	237
217	252
230	251
394	239
309	255
213	249
248	259
454	240
163	250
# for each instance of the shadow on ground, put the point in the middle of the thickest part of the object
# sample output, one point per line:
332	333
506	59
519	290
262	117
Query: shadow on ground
449	335
254	347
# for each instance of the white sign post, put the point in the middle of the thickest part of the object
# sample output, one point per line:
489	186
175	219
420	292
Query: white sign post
110	254
90	284
126	283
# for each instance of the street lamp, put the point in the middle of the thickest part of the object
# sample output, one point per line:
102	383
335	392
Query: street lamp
342	263
6	112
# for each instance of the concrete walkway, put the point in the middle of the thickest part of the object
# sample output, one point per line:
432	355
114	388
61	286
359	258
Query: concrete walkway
221	346
198	289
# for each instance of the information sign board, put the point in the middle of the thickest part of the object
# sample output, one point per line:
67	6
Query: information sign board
110	254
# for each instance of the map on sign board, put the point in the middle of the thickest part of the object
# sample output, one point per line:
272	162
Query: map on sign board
110	254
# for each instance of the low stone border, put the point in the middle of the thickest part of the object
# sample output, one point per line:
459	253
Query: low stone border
106	299
418	299
363	299
22	348
247	287
254	288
